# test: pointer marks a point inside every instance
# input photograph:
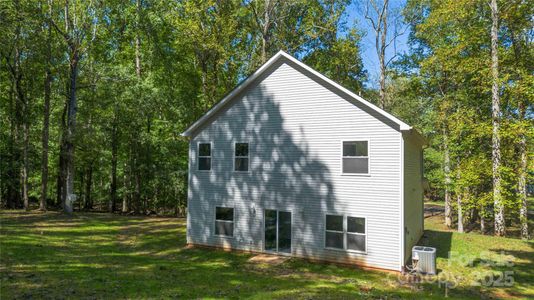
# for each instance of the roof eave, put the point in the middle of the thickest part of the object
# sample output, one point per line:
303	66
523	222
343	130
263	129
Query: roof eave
237	90
419	136
402	125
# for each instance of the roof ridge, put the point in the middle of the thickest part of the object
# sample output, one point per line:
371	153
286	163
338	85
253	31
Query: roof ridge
219	105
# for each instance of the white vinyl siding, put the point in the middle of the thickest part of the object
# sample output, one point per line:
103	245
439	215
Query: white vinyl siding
294	126
413	194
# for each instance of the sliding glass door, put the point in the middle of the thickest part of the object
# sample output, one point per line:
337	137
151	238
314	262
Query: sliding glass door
277	231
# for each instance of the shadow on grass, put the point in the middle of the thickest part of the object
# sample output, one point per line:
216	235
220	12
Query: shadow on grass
102	256
105	256
519	265
500	267
441	240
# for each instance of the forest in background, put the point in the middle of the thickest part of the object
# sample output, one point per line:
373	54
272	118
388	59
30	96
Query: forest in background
94	94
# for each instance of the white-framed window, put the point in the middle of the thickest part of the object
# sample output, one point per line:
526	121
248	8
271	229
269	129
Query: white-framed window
224	221
356	238
355	157
346	233
241	157
334	232
204	156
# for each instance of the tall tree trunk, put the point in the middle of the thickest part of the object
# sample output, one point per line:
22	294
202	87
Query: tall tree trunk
46	113
136	144
25	135
13	184
73	35
482	219
265	31
126	189
71	129
81	192
138	40
22	117
522	182
62	168
25	164
379	24
522	147
500	229
14	200
382	92
459	191
382	53
137	56
204	80
62	173
148	172
59	181
114	154
45	136
88	186
137	193
447	173
135	184
460	213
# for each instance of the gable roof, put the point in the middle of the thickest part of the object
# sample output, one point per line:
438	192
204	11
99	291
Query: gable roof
281	54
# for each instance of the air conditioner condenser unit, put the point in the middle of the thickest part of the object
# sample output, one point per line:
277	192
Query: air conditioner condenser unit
424	259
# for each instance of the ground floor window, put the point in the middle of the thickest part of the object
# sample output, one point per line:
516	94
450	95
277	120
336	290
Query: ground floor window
334	232
346	233
224	221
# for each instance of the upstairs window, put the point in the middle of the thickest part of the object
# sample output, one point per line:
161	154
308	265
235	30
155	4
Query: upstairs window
224	221
355	157
204	156
241	157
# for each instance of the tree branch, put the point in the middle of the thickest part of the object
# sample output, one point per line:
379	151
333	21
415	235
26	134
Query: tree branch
63	34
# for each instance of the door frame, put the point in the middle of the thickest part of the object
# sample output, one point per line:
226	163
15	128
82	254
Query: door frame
277	221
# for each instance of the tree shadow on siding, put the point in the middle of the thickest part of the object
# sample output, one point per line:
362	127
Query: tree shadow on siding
285	173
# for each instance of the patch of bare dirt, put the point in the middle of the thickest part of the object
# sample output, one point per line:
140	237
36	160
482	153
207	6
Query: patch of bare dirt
268	259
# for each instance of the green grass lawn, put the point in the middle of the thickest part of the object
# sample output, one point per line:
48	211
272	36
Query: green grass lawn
90	255
435	203
530	201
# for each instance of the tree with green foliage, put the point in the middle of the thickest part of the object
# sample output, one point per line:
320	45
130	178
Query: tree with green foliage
96	93
455	46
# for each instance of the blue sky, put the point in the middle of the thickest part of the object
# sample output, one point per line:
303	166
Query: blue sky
355	16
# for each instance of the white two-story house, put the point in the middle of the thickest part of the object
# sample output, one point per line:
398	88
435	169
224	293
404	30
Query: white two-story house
291	163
